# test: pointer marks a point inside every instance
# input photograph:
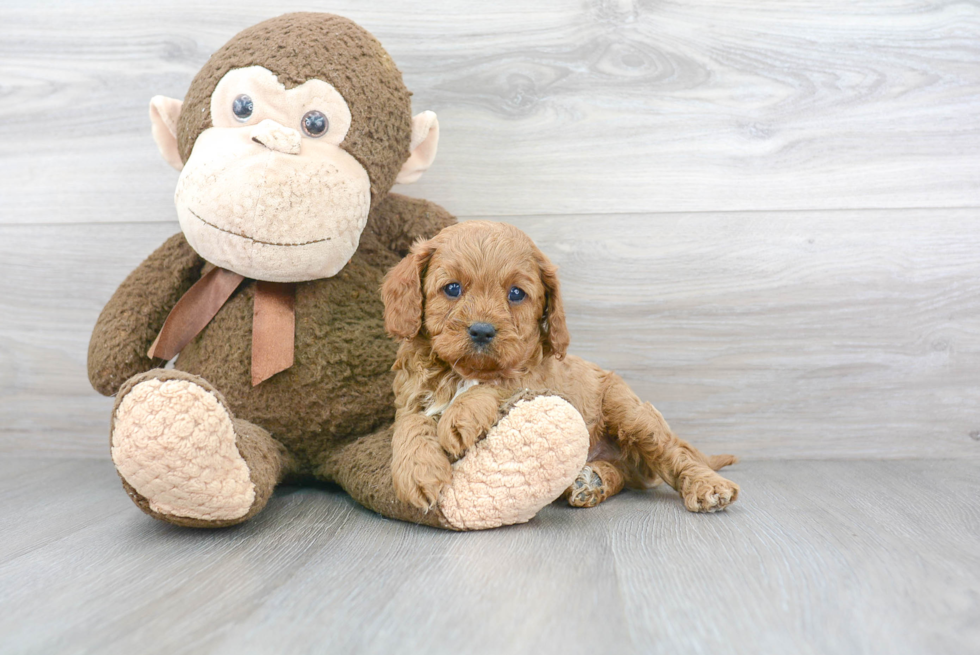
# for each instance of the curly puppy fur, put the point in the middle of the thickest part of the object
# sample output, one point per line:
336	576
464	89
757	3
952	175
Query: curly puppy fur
452	380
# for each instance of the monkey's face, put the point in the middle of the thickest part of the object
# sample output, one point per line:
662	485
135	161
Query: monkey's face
268	192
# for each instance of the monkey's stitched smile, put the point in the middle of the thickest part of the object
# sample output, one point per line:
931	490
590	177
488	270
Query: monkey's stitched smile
245	236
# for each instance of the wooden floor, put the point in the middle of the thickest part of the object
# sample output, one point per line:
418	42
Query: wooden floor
817	557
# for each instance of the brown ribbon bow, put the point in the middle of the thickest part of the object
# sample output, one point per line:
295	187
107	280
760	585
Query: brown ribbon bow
273	320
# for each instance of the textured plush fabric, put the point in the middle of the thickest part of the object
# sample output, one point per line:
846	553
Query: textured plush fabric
276	137
526	461
132	318
175	443
339	386
274	217
273	102
329	411
425	144
260	199
363	469
164	112
267	460
301	46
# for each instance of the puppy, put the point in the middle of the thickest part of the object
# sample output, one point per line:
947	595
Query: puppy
478	309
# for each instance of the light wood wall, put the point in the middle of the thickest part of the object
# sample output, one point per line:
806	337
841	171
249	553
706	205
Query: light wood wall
767	214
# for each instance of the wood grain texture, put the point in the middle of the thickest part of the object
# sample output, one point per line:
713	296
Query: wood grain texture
546	108
816	557
813	335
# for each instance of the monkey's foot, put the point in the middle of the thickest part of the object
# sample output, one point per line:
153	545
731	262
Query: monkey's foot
525	462
174	444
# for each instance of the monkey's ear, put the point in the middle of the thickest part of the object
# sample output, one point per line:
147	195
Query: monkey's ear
401	292
425	142
164	113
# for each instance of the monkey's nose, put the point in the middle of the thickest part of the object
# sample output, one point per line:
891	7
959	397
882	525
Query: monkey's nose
482	333
277	137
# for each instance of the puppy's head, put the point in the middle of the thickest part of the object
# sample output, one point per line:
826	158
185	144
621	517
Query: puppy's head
483	294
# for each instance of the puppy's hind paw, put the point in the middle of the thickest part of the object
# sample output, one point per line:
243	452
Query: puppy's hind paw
586	490
709	493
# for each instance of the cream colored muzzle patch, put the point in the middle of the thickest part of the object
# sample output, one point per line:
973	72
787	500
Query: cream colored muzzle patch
269	215
262	196
175	444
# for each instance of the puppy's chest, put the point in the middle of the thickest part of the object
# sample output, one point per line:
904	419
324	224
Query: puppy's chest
436	407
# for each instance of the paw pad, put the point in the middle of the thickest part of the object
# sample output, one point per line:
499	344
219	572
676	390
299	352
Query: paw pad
587	489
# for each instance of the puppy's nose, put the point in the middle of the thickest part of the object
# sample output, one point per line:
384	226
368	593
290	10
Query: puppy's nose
482	333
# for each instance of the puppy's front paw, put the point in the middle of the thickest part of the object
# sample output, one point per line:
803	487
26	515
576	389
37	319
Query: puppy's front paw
467	421
420	478
708	493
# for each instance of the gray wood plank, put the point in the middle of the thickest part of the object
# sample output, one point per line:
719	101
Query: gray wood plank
593	107
843	334
57	280
785	334
816	557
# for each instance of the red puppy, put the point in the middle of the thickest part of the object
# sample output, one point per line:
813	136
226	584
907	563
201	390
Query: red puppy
493	326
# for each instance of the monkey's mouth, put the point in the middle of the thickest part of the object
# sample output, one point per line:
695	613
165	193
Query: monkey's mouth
253	239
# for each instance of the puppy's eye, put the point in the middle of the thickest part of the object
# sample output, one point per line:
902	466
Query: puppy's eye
453	289
516	295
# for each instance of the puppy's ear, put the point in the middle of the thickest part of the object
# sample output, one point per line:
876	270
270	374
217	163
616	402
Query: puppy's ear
553	327
401	292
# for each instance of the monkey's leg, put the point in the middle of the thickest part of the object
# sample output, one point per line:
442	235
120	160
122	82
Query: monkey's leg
363	469
597	482
647	442
185	459
525	462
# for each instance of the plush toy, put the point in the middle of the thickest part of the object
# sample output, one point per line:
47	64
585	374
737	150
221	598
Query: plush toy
288	142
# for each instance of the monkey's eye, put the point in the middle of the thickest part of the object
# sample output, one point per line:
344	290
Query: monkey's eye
453	289
516	295
315	123
242	107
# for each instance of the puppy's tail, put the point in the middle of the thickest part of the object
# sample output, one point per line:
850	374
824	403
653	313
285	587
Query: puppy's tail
721	461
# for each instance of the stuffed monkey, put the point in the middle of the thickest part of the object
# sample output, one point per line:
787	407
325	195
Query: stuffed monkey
288	143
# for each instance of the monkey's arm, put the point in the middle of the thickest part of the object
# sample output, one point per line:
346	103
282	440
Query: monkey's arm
135	314
401	220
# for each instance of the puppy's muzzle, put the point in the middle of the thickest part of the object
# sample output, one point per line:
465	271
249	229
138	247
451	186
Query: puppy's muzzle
481	334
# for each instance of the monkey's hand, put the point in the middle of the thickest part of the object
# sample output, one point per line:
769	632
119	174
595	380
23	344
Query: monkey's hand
132	318
468	419
419	467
